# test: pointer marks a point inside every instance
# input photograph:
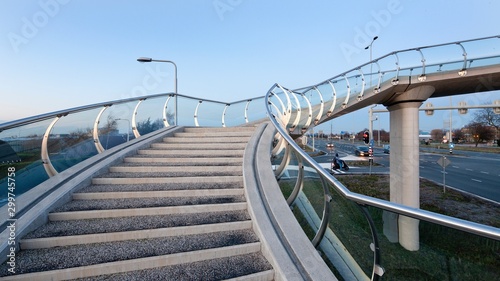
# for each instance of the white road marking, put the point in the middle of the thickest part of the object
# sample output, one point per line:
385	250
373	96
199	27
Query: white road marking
482	172
477	180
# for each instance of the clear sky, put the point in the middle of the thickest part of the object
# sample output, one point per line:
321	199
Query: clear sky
57	54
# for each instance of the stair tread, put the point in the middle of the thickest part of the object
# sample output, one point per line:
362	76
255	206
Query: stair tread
194	222
173	174
159	187
213	269
127	203
91	226
83	255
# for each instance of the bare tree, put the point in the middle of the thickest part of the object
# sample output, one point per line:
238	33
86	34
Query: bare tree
480	132
487	116
458	134
437	134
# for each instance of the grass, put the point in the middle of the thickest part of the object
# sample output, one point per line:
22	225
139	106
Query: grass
461	147
444	254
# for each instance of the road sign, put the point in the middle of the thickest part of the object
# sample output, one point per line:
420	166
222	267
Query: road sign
443	162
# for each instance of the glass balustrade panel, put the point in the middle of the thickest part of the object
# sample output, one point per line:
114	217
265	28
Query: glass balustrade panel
149	116
115	125
256	111
235	114
210	114
444	253
20	151
186	108
71	140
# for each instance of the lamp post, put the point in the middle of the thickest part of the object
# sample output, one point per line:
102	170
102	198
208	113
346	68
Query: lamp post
145	59
371	64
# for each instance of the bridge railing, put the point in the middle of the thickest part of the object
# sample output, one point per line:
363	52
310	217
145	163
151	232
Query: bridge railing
356	232
306	107
39	147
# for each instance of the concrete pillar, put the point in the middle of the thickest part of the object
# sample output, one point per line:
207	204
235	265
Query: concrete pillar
404	166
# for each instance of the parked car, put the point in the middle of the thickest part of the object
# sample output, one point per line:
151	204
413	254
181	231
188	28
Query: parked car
387	149
362	151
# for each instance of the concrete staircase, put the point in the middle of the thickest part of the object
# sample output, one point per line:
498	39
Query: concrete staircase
174	211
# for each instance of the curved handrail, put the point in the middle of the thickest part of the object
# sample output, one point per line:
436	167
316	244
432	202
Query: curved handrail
467	226
362	200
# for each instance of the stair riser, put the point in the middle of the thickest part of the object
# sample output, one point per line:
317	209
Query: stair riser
197	146
192	153
186	169
206	140
156	194
81	215
185	161
51	242
237	180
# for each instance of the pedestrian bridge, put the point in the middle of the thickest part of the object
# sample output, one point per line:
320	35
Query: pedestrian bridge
309	227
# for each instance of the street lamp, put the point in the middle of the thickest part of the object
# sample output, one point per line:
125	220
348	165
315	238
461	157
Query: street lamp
145	59
371	64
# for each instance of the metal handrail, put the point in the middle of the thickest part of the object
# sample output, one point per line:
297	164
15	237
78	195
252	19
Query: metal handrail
467	226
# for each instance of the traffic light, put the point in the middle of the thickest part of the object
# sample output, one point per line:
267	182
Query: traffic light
366	137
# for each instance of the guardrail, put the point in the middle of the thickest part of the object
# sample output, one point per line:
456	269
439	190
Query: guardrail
39	147
356	232
305	107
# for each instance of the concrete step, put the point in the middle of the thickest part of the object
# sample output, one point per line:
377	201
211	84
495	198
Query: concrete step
123	224
196	145
219	129
191	153
170	180
61	241
198	134
157	194
77	261
205	140
160	186
169	210
174	210
183	161
188	170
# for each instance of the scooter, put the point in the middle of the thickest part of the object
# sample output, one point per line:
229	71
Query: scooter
339	164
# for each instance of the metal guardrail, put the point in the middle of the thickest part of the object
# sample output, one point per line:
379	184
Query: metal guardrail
286	110
39	147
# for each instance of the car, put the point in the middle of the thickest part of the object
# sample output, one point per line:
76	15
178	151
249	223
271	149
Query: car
330	145
362	151
387	148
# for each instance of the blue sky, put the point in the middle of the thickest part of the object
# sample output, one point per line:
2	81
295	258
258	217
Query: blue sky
57	54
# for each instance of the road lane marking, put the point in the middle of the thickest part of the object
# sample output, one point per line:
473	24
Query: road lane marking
482	172
477	180
456	167
468	169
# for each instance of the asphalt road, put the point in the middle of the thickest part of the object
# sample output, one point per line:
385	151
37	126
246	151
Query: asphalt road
472	172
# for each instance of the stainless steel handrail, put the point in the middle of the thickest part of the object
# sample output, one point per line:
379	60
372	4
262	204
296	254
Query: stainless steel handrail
471	227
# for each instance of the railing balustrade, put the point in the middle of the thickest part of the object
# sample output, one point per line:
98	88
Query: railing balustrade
347	227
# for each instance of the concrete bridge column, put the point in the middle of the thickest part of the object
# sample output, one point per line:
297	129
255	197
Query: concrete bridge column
404	164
